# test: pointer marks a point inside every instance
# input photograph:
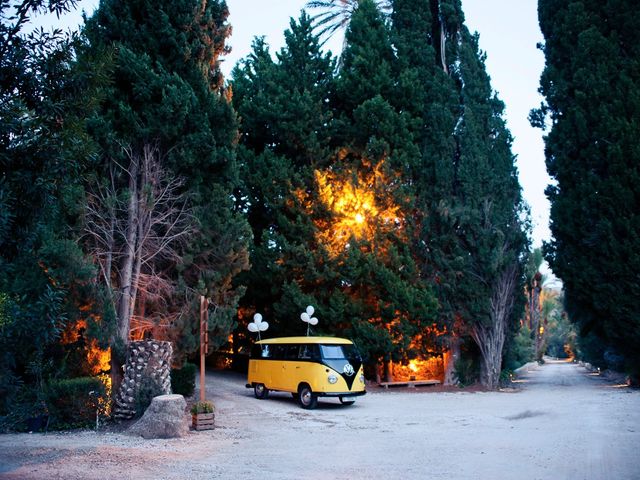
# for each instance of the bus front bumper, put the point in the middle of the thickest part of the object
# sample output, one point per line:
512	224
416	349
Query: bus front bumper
341	394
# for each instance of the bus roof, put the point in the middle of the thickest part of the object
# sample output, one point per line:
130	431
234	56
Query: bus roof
329	340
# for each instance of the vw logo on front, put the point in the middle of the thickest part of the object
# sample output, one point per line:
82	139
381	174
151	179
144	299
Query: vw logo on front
348	370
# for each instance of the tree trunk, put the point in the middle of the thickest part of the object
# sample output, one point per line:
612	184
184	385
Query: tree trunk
128	261
449	359
387	377
490	337
536	314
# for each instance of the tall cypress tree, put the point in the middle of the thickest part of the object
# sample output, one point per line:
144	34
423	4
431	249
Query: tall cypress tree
166	108
488	208
590	84
430	94
471	235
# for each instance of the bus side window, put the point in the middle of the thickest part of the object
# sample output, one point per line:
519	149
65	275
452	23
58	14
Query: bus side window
277	352
257	351
290	352
308	352
265	351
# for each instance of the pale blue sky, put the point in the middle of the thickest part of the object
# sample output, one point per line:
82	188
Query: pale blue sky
508	34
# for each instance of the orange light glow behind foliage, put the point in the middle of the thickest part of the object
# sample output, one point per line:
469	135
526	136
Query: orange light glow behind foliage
356	210
98	360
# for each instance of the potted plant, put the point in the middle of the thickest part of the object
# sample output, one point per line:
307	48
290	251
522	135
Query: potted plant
202	415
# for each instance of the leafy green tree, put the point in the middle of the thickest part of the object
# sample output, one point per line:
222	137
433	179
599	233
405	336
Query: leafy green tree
167	120
44	152
590	85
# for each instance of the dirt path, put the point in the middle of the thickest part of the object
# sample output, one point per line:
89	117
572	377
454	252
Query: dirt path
563	424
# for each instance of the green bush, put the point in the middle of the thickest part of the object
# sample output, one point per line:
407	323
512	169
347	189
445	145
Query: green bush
467	371
506	378
27	402
521	349
72	402
183	380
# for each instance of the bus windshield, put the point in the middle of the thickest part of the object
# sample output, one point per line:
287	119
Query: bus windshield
336	352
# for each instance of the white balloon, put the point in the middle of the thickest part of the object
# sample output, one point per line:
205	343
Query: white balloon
304	316
310	310
257	318
313	321
252	327
263	326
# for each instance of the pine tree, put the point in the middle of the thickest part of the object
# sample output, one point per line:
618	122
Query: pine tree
284	117
590	85
369	198
167	120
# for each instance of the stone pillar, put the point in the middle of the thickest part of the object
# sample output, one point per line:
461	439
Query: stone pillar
145	359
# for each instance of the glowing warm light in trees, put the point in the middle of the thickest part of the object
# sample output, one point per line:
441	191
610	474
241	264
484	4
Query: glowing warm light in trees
360	206
413	366
428	368
98	360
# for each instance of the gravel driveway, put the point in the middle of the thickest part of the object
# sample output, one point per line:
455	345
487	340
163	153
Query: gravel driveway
563	423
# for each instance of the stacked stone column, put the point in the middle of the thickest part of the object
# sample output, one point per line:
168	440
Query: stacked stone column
146	359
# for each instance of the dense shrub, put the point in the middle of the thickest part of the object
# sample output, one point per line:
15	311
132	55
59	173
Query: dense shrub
73	402
467	371
521	349
183	380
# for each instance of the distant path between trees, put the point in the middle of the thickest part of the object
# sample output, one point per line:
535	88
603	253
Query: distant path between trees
562	424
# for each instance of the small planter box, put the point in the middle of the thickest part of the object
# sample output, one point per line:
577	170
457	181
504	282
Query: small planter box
203	421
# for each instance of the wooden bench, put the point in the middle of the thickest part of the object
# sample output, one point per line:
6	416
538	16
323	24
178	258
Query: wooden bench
410	383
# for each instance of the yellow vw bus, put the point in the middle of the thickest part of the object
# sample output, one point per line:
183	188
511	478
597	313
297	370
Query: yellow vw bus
308	368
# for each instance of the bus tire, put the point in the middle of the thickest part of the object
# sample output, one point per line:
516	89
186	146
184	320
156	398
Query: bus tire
260	391
306	398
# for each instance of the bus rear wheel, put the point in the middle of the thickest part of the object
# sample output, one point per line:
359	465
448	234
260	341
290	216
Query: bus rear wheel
307	399
260	391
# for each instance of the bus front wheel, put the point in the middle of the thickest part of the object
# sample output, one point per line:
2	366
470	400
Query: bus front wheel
260	391
307	399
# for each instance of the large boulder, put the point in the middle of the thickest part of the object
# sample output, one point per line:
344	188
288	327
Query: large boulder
165	418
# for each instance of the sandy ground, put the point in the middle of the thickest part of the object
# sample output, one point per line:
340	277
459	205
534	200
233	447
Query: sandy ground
563	423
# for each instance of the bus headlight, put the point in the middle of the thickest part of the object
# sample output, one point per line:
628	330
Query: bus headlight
332	378
362	379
